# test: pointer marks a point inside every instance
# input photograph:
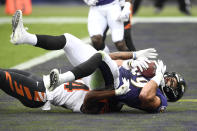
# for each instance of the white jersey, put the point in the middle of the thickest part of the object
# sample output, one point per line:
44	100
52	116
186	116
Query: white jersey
69	95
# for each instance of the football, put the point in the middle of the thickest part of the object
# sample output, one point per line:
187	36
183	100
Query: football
150	72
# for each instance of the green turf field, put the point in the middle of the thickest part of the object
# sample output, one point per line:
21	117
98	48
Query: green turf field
11	55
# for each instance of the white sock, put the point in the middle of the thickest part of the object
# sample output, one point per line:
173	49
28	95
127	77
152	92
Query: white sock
30	39
66	77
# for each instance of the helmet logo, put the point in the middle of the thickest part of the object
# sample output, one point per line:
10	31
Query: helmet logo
183	89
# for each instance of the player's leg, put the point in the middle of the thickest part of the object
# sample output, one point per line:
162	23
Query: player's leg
117	27
82	70
73	47
136	6
159	4
76	51
127	32
97	24
106	48
128	38
28	91
184	6
21	36
107	75
24	73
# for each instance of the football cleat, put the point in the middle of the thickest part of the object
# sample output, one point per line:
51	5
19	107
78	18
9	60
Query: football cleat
46	80
18	30
54	79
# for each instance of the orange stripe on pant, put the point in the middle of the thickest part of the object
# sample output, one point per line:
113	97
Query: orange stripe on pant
28	93
19	90
9	78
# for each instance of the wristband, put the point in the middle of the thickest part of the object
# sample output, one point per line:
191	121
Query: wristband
134	55
157	79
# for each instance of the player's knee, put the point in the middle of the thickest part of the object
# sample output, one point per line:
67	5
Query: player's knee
97	41
121	46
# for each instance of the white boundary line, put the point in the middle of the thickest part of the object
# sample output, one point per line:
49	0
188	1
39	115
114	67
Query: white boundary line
47	20
75	20
59	20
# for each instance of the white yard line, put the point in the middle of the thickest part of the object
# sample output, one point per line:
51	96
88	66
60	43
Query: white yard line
67	20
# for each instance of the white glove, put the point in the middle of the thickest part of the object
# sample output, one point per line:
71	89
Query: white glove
159	74
124	88
91	2
148	53
125	13
141	63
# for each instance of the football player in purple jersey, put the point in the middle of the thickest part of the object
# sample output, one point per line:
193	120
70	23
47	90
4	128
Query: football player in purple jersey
127	29
105	71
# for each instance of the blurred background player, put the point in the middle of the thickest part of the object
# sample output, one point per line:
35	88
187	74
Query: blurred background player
105	13
127	28
2	2
184	6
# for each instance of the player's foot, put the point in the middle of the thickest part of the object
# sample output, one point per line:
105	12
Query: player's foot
18	30
54	79
185	11
51	81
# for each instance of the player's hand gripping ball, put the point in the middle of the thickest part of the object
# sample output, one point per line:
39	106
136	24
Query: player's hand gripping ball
150	71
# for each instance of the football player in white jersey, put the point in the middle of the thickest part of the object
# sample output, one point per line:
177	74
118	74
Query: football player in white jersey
105	13
29	89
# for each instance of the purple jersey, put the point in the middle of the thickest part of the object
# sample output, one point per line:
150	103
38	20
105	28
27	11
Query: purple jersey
137	81
103	2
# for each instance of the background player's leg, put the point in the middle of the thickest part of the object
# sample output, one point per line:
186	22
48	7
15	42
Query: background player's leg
159	4
97	24
117	27
136	6
26	90
128	39
184	6
128	36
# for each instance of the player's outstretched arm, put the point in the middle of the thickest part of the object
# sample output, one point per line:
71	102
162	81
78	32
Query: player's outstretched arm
121	55
146	53
148	93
